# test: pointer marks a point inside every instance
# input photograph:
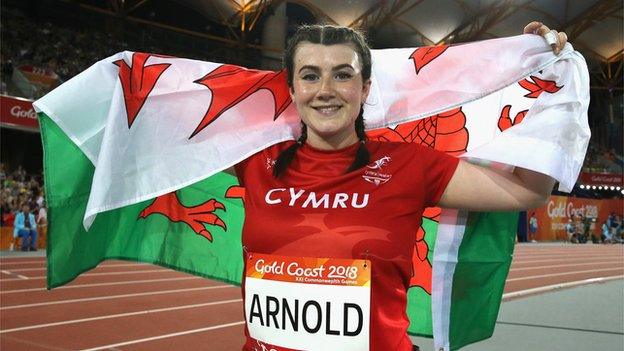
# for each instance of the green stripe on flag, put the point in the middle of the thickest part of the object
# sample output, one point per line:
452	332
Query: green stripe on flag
121	234
484	259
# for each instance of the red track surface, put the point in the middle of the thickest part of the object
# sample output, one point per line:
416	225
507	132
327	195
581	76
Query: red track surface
129	306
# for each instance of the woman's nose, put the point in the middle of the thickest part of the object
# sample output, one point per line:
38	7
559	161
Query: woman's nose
326	89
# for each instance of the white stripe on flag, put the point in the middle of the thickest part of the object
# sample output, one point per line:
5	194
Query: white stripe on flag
450	235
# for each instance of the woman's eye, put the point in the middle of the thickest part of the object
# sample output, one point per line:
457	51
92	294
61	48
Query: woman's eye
343	75
309	76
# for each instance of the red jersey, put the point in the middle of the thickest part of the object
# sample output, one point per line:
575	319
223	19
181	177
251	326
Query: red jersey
316	209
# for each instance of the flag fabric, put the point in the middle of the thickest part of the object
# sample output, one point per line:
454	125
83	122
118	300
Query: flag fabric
134	144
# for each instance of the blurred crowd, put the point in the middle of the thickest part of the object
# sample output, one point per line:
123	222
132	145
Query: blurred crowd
579	230
18	189
602	160
65	50
56	50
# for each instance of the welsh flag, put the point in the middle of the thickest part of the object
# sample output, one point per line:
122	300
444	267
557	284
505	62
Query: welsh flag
135	144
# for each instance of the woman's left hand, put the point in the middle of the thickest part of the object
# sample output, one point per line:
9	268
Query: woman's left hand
557	40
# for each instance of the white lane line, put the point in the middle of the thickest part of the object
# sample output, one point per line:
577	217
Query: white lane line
578	252
119	315
569	258
563	265
100	266
20	260
560	274
111	297
130	342
567	254
571	255
98	274
102	284
547	288
19	276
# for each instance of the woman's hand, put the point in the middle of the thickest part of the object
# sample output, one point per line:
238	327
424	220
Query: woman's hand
557	40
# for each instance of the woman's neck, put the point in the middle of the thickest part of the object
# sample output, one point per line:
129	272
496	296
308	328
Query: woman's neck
336	142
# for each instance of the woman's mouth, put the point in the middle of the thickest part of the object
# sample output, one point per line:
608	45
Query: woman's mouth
327	110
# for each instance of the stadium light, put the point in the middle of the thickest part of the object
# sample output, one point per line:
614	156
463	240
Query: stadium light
618	188
600	187
594	187
622	191
612	187
582	186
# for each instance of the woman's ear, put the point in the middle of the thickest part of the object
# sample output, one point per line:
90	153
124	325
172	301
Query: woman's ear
366	90
291	91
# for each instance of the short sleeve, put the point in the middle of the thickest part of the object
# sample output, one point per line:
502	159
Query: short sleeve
438	169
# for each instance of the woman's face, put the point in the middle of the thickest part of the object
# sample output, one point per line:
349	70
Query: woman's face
328	91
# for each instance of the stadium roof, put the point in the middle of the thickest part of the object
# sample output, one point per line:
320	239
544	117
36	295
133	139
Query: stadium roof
594	26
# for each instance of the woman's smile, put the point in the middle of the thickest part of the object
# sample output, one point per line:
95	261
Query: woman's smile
328	111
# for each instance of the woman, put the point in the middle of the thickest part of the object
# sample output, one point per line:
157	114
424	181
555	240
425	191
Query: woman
334	195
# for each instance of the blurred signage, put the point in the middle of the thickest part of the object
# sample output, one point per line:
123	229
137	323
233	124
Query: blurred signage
40	76
18	113
553	217
601	179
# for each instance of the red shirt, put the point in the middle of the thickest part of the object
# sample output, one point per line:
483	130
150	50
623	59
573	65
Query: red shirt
315	209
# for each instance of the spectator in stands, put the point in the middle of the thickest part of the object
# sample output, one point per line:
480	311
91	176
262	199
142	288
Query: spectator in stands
533	226
5	211
42	220
617	234
579	228
25	228
612	221
20	174
571	229
40	199
586	227
14	192
606	233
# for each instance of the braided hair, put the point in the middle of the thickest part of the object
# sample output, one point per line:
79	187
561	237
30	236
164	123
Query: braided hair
326	35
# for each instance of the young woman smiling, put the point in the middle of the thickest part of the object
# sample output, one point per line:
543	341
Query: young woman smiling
308	199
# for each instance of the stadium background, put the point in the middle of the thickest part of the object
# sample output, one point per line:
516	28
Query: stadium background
44	43
47	42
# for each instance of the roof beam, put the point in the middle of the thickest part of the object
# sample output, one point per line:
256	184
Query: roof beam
177	29
424	38
384	12
597	12
616	56
135	6
477	25
555	20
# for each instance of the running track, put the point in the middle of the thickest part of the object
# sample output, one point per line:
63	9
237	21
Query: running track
131	306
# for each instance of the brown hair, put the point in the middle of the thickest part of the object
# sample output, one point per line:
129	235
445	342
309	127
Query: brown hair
326	35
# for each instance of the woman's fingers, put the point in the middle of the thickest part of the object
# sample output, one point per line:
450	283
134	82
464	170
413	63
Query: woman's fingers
555	39
563	39
552	38
531	27
542	30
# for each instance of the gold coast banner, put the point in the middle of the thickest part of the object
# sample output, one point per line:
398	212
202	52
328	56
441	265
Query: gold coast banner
553	217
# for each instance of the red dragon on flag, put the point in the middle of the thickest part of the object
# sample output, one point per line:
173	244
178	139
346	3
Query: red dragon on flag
445	132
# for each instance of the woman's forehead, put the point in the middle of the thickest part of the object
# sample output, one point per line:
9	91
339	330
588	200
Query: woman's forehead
326	56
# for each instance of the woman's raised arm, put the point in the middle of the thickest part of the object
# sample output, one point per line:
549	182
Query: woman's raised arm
478	188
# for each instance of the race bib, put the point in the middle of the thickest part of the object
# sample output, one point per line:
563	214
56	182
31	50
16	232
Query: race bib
301	303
